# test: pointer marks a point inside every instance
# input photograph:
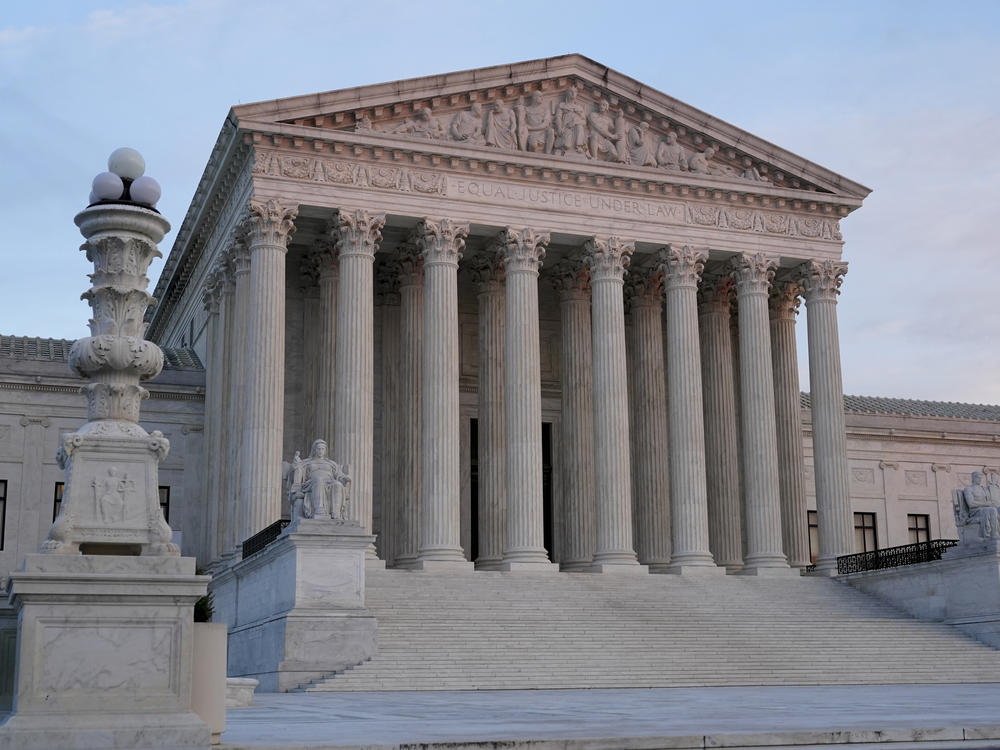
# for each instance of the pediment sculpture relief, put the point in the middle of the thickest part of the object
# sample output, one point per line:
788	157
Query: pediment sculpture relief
564	125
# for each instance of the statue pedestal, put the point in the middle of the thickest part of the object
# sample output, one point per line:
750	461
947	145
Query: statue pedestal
105	646
296	609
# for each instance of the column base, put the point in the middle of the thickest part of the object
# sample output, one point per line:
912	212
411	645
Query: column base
687	569
763	572
404	563
371	553
443	566
515	566
619	567
658	567
826	566
492	563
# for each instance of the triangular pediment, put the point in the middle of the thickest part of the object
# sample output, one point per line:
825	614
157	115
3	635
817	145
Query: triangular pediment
570	109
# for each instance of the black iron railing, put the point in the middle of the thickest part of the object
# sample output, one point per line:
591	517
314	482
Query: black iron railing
894	557
264	537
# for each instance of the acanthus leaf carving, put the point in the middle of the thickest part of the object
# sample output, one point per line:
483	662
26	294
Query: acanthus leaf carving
821	279
608	259
441	241
682	266
523	249
269	223
357	232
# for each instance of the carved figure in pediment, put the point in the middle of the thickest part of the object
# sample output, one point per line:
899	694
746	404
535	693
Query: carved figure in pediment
607	134
501	126
639	152
467	125
317	486
701	163
753	174
670	154
570	125
534	125
363	125
421	125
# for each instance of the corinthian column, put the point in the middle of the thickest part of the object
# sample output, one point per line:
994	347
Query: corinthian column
607	260
441	243
312	335
326	351
784	306
357	234
238	403
651	480
690	553
387	301
488	274
269	227
411	339
523	251
571	279
212	298
721	427
752	274
225	500
821	282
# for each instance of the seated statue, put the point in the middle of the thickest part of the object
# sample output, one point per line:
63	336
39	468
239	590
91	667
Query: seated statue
317	486
977	509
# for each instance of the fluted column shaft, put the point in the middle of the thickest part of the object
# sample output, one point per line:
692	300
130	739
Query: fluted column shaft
268	228
821	282
488	275
784	305
721	427
357	234
682	269
387	502
326	352
572	280
607	260
523	251
651	479
224	502
238	400
411	326
311	337
213	413
441	243
752	274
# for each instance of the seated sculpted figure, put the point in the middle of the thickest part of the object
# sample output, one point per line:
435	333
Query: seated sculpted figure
607	137
467	126
501	126
317	486
983	502
421	125
671	154
534	128
571	125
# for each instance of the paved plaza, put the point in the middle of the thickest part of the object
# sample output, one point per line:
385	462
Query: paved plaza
926	716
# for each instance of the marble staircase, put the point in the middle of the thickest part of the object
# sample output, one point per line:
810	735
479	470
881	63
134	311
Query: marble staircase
492	631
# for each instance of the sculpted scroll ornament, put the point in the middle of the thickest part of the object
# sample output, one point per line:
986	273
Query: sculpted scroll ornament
357	232
821	280
752	272
269	223
523	249
608	259
682	266
441	241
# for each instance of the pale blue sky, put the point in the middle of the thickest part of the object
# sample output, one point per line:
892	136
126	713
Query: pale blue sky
900	96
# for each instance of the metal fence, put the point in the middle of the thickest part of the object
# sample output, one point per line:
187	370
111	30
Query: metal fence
264	537
894	557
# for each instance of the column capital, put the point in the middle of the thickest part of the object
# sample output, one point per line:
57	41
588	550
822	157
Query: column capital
715	294
682	266
608	259
785	299
309	269
644	287
487	270
441	241
523	249
239	254
411	263
357	232
213	290
325	252
269	223
570	277
387	281
821	279
752	272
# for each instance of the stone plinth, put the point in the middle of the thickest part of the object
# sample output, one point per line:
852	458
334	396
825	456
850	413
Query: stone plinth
296	610
104	653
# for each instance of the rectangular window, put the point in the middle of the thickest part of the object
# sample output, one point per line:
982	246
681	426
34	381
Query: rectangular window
3	510
165	503
865	538
918	526
813	521
57	501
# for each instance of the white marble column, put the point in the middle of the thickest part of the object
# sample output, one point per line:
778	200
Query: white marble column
357	234
237	331
326	352
523	251
441	243
614	551
212	298
487	271
690	553
821	282
722	455
269	227
648	409
311	340
784	306
571	279
386	510
752	274
222	467
411	326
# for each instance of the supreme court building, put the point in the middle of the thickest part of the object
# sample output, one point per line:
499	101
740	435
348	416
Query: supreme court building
543	313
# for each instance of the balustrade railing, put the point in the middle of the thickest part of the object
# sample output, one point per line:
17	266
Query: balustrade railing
894	557
264	537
